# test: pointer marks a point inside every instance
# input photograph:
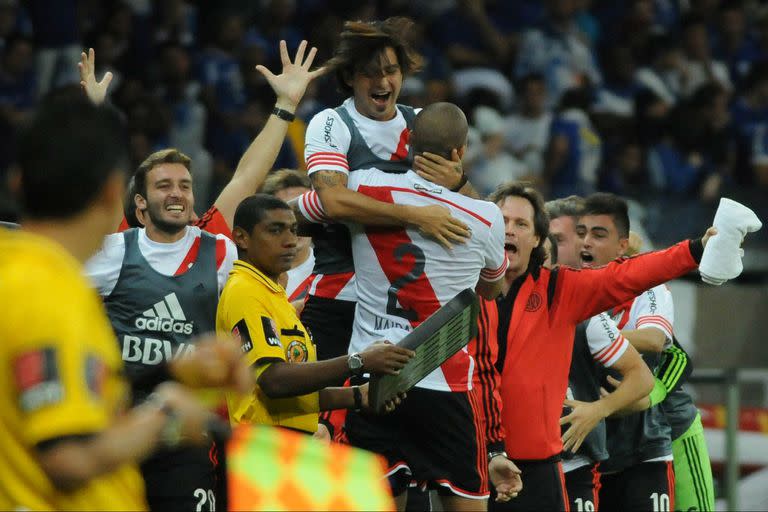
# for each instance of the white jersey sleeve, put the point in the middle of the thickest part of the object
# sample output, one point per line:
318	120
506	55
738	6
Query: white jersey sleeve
606	344
495	257
230	255
326	143
103	268
654	308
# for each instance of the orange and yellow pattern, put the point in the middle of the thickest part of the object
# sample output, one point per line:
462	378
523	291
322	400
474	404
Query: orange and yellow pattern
276	469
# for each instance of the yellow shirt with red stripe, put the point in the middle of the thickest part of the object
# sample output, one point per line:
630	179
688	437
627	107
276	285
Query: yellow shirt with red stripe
62	376
256	310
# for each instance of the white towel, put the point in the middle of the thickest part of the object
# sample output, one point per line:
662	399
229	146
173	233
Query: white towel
722	255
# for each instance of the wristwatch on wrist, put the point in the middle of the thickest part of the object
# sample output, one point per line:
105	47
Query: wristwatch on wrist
355	363
491	455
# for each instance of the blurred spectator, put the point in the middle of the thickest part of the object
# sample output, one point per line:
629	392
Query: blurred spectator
477	33
493	165
587	23
188	117
651	117
222	83
617	94
175	21
760	156
273	25
749	113
711	125
527	131
57	39
558	51
664	74
700	67
627	172
678	166
17	81
13	20
735	45
574	152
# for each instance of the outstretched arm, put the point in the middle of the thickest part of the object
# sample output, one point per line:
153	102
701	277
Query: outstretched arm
257	161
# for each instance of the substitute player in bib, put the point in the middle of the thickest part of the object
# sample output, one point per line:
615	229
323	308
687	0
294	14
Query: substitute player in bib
693	471
161	285
639	474
69	439
402	278
257	160
598	344
368	130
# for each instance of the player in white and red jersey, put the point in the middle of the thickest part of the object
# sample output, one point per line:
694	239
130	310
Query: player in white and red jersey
638	473
161	283
402	278
368	130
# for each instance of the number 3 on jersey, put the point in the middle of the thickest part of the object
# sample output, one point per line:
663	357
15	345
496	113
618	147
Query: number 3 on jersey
416	271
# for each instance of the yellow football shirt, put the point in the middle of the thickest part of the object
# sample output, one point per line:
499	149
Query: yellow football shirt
255	310
61	375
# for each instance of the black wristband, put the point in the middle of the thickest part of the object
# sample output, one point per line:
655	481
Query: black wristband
463	182
697	249
358	395
495	446
284	114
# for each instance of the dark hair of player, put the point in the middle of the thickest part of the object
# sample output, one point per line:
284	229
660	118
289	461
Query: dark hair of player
540	217
603	203
362	44
67	154
439	128
253	209
283	179
164	156
570	206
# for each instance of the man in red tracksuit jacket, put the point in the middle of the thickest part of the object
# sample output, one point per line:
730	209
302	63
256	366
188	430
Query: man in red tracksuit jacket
534	323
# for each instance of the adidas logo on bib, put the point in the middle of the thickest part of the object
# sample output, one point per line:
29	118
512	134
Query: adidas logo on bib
165	316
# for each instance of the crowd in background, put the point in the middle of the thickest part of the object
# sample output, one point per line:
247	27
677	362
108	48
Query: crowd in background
663	101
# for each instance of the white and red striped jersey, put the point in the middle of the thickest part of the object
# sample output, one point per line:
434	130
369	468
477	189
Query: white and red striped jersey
299	278
169	259
606	344
327	140
403	277
652	308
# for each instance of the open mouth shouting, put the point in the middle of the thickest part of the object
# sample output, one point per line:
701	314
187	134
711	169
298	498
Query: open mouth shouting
587	260
510	248
381	98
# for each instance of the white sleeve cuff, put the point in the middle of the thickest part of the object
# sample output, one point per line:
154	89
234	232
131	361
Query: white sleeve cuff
311	208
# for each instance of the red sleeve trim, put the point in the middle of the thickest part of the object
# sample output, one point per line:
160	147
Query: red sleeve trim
650	320
608	352
214	222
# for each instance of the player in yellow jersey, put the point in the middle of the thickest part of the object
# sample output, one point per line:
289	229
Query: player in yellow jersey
67	440
255	309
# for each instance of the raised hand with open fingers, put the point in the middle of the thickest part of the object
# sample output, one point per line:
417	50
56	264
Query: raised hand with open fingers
292	82
96	90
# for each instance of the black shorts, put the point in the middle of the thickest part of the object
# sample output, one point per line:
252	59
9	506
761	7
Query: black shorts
543	488
430	438
645	486
583	485
329	321
183	479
